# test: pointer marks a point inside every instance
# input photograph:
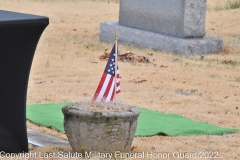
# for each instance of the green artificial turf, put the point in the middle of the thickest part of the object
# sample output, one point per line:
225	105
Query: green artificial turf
150	123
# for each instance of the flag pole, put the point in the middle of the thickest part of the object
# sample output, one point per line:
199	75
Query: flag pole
116	55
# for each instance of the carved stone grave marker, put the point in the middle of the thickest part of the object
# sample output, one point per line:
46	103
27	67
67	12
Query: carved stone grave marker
176	26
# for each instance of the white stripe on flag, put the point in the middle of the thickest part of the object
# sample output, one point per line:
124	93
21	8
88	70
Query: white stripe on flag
118	80
118	88
110	92
103	89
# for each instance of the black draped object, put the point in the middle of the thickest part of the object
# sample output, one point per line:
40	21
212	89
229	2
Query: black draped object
19	36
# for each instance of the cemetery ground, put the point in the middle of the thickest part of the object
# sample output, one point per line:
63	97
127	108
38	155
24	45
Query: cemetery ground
66	67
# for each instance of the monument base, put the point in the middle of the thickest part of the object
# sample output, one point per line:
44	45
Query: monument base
159	42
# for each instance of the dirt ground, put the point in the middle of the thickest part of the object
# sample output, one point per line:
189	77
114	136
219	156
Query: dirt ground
66	67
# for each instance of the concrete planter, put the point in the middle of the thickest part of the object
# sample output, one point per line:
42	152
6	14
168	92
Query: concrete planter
107	131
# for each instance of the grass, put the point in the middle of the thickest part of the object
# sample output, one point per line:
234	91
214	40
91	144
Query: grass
229	4
232	4
48	63
238	79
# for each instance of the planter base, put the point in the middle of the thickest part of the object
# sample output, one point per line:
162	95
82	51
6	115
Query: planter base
89	131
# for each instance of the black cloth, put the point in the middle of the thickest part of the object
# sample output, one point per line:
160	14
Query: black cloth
19	36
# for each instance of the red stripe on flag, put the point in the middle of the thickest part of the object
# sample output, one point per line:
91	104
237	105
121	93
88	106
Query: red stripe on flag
100	86
112	94
118	91
118	83
106	93
118	76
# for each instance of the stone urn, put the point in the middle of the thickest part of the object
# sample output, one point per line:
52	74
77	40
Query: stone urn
95	127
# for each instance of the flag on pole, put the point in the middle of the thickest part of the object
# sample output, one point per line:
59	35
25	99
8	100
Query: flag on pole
110	80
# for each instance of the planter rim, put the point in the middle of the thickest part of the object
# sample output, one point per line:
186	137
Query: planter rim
69	109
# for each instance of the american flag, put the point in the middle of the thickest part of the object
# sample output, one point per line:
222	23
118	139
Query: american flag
106	88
